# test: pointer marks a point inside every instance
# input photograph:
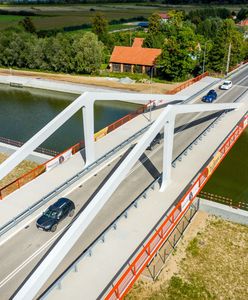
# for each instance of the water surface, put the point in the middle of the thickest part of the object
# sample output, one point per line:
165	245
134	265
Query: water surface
23	112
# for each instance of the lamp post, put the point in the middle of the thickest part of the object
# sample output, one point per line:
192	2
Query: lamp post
204	58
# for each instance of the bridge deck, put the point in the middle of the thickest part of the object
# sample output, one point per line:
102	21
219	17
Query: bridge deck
96	271
23	198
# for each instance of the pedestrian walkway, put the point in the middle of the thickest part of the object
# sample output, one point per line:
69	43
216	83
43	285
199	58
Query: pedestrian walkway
31	193
75	88
94	273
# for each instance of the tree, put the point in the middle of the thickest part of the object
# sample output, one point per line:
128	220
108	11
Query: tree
242	14
179	55
155	35
28	25
99	27
88	53
226	34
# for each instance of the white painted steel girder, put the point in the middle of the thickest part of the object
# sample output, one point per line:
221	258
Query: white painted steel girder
166	120
86	102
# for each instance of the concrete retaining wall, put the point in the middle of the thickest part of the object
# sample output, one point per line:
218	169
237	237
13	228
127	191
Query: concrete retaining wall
226	212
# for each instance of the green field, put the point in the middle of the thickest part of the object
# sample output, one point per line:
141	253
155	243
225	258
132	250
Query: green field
231	178
9	20
59	16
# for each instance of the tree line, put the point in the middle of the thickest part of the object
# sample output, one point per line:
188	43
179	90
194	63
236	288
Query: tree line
190	43
129	1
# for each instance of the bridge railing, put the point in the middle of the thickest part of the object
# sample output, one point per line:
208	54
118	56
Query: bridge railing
29	176
141	258
186	84
185	201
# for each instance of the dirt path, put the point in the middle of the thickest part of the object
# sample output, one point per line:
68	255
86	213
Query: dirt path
156	88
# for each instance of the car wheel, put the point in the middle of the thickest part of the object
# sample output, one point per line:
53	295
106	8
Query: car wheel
71	213
53	228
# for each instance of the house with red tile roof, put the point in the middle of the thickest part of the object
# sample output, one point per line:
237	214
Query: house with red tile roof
135	59
164	16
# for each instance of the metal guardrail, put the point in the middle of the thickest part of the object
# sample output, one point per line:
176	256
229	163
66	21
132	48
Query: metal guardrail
134	203
7	226
20	217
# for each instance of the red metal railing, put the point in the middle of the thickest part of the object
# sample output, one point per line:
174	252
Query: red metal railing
238	65
186	84
135	268
16	184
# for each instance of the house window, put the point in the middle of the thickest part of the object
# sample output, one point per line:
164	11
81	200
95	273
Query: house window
137	69
116	67
127	68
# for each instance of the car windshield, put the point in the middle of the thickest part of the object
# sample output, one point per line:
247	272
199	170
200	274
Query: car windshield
51	213
226	83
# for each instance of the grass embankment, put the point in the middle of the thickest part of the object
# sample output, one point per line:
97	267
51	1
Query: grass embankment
210	263
21	169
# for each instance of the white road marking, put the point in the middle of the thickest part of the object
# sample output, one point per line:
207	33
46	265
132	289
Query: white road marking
29	259
37	252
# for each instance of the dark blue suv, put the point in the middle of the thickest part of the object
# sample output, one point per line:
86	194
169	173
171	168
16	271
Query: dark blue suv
210	97
55	213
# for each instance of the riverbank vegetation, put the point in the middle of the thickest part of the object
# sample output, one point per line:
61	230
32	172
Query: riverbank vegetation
206	265
191	43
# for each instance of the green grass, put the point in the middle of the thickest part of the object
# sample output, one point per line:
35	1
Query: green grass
218	271
9	20
193	247
179	289
59	16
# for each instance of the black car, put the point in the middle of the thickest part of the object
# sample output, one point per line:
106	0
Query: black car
55	213
155	141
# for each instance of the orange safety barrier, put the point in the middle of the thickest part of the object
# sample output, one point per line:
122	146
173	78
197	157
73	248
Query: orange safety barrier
238	65
148	251
29	176
187	83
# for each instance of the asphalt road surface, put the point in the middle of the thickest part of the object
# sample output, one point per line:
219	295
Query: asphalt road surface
20	254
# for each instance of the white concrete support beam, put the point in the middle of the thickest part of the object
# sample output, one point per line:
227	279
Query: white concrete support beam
41	274
88	120
168	150
87	100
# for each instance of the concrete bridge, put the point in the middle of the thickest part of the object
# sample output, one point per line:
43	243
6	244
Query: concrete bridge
127	201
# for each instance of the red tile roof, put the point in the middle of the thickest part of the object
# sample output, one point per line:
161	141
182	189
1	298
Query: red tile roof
243	23
138	42
164	16
134	55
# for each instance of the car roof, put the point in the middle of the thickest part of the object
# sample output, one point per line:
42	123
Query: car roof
60	203
227	81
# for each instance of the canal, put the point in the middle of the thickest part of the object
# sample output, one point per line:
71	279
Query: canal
230	180
23	112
